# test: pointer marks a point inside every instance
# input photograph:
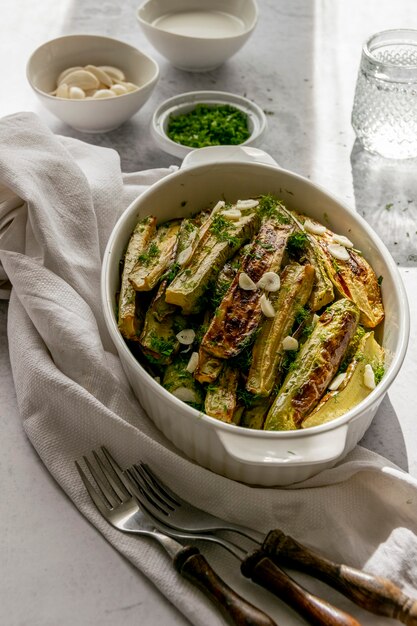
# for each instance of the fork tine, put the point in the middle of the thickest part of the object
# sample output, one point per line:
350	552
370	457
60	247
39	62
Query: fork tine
99	501
103	484
129	484
157	482
149	486
144	497
108	471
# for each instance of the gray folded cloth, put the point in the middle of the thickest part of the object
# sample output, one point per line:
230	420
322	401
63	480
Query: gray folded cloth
59	200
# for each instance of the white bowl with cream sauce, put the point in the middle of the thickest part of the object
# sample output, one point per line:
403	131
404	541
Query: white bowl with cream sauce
198	35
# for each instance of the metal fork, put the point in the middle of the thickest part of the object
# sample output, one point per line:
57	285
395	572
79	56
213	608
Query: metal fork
256	566
373	593
112	497
173	511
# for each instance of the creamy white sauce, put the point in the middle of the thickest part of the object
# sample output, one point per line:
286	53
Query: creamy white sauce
208	24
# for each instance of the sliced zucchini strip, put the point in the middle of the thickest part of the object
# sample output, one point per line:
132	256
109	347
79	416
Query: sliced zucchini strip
240	312
296	285
221	400
353	389
152	264
314	367
127	318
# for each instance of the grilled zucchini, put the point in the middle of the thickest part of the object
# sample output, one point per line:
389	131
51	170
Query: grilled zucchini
296	284
208	276
239	313
221	400
354	279
315	366
217	242
208	368
158	339
127	317
153	262
181	383
353	389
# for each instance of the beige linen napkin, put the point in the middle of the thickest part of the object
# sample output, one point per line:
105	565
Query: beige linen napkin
59	199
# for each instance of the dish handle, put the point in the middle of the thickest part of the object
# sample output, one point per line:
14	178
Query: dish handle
301	449
225	154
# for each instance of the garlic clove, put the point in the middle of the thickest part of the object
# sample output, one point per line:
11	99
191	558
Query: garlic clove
337	381
192	363
69	70
76	93
232	214
82	79
343	241
103	93
314	228
62	91
100	74
289	343
119	90
338	252
245	282
247	204
266	306
369	377
186	336
185	394
270	281
129	86
114	72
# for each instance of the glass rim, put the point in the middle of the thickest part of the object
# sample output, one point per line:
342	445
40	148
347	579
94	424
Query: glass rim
389	37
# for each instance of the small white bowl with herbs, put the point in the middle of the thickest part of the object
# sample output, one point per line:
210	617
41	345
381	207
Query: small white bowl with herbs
199	119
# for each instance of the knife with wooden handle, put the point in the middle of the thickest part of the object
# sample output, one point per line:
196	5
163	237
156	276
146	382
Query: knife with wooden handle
374	593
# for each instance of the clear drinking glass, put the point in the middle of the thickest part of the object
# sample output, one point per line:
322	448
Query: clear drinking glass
384	114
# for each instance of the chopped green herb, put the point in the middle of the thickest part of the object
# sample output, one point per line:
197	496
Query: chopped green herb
149	254
301	316
269	207
161	346
379	372
380	279
389	206
209	126
223	230
288	361
297	243
245	397
172	272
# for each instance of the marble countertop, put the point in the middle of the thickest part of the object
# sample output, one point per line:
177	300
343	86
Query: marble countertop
300	66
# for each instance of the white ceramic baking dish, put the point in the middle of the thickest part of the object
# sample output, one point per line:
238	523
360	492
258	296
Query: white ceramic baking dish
254	457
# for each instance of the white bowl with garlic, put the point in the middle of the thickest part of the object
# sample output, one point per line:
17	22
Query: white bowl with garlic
256	456
90	82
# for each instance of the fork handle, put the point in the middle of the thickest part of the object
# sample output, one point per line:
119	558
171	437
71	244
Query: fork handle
376	594
191	564
315	611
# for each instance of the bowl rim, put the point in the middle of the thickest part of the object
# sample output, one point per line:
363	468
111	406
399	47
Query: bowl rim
175	104
351	415
248	29
104	101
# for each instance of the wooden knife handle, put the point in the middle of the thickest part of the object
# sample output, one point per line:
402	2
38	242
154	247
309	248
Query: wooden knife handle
191	564
376	594
315	611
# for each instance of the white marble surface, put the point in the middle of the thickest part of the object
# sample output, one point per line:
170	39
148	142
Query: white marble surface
300	67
